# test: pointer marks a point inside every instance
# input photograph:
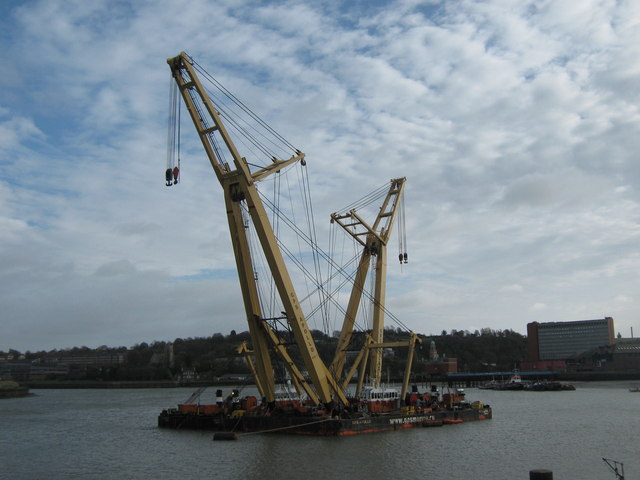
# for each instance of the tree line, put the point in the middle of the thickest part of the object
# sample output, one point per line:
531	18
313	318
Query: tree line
208	358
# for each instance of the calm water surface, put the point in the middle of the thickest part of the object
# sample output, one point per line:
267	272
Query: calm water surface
112	434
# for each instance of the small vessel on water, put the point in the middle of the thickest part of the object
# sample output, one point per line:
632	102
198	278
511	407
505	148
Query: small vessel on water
322	403
490	385
514	383
547	386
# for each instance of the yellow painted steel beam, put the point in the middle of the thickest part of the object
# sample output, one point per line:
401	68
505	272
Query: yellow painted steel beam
377	330
337	366
407	369
295	317
356	363
375	244
238	186
240	242
297	378
243	349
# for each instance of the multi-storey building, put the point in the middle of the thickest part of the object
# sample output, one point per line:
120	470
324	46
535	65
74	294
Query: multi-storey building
551	343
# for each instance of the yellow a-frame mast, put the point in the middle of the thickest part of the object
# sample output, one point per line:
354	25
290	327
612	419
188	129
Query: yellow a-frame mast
374	244
238	184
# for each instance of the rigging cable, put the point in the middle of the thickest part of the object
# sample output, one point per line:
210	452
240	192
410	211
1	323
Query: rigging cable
240	104
301	234
402	233
236	111
316	257
312	241
176	171
275	222
367	199
294	227
172	133
297	259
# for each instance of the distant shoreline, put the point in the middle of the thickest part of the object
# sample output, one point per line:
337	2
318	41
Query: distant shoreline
96	384
93	384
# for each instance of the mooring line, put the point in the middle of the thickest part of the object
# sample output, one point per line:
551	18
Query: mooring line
286	428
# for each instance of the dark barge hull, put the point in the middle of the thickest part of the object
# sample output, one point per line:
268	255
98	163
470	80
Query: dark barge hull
323	426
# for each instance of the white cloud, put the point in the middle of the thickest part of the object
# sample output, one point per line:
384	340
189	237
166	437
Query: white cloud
512	288
516	125
15	130
623	299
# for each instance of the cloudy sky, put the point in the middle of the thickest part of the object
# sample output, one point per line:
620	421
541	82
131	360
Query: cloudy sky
516	124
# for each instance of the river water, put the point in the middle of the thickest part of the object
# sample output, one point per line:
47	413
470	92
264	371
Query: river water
112	434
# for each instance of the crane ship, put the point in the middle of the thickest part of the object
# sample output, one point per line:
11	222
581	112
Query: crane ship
343	395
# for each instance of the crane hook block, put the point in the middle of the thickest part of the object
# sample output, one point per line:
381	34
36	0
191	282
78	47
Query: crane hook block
176	174
169	176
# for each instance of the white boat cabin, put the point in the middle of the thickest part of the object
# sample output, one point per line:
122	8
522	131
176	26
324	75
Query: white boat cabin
372	394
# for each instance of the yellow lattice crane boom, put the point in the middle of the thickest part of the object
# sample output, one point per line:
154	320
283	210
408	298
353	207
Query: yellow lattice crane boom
238	184
373	238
